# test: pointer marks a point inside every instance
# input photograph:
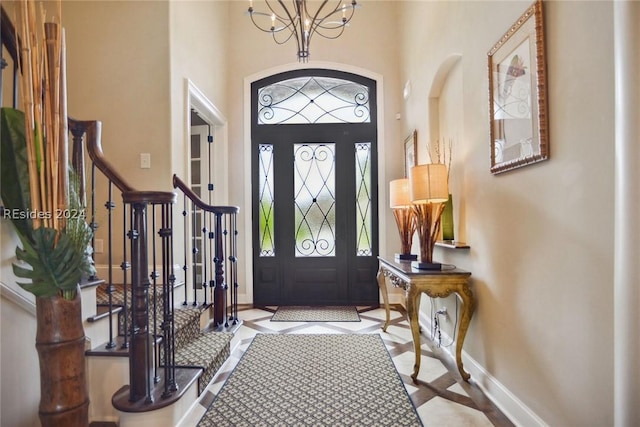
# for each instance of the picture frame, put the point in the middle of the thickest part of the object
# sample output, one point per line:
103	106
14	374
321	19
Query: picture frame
410	152
518	94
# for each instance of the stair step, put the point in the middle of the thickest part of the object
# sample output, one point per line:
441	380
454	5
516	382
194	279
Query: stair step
87	282
117	295
116	351
208	351
102	311
184	378
187	322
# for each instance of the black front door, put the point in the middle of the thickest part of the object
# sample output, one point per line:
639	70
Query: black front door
315	216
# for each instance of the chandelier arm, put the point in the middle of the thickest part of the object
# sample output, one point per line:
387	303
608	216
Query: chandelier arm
279	16
332	26
315	17
337	9
282	41
265	29
330	37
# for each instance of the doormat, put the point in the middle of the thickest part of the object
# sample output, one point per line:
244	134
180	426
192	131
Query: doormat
316	314
313	380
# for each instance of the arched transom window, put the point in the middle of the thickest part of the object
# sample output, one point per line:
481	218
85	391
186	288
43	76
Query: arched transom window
313	100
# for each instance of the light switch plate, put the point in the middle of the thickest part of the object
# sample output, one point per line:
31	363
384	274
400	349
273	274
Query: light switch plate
145	160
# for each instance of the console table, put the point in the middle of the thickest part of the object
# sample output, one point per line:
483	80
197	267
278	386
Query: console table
434	283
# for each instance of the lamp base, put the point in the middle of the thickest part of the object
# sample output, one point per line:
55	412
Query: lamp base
426	265
406	257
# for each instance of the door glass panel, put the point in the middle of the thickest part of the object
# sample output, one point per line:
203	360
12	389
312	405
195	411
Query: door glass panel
265	200
363	198
314	199
313	100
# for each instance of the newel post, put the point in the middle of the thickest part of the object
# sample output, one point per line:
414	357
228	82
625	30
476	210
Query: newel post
219	293
140	365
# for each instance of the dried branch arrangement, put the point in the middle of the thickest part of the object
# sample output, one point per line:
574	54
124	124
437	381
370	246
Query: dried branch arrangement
40	191
442	154
43	95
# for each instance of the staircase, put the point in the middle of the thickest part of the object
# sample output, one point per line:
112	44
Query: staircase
200	352
167	335
195	346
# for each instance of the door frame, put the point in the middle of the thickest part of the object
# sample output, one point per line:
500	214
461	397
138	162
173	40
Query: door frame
195	99
382	180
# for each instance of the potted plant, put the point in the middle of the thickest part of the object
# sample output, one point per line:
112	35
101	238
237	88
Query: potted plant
40	198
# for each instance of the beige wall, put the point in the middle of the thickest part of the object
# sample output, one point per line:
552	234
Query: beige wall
198	53
199	36
119	73
541	237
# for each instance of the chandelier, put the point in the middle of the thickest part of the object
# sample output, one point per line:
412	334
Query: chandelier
298	20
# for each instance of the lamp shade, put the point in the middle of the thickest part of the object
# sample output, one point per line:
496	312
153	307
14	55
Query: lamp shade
399	193
428	183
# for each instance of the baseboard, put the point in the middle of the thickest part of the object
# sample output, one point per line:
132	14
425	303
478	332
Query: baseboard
20	298
512	407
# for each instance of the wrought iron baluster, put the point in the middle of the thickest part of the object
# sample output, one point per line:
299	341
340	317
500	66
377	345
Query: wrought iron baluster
185	233
110	205
154	282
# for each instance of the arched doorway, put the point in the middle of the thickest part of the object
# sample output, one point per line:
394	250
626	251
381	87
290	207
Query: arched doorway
314	188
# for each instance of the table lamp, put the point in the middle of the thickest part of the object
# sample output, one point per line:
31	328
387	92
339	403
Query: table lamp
429	190
400	202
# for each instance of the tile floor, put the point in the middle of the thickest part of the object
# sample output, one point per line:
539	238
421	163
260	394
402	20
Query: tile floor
441	398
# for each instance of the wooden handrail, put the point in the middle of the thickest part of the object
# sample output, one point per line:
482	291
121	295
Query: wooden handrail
8	34
10	41
179	184
149	197
93	130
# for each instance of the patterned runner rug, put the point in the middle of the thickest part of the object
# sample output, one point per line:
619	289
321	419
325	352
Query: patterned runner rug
316	314
313	379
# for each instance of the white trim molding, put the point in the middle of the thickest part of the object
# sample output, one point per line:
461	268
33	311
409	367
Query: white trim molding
22	301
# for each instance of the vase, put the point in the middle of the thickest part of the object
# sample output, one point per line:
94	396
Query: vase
447	220
64	398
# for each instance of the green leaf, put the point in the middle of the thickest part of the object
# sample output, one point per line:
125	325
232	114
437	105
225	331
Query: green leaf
14	169
54	266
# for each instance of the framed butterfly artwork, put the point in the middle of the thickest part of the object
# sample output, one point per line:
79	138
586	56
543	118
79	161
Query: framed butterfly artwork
518	94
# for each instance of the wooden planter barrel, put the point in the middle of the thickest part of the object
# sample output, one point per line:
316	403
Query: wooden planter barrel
64	398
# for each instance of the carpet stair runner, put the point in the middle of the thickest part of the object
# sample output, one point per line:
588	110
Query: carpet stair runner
194	348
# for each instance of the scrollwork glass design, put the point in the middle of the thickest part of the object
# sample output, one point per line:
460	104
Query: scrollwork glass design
363	198
266	201
310	100
314	200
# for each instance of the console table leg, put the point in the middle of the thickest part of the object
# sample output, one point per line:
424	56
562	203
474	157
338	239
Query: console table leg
385	297
413	307
468	307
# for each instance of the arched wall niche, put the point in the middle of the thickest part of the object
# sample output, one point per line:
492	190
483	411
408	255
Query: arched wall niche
446	123
445	96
